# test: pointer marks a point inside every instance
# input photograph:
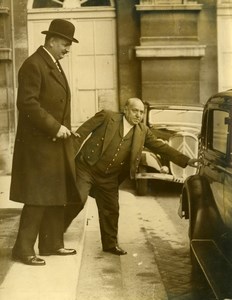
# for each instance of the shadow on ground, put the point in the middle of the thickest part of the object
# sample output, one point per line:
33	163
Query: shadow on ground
9	219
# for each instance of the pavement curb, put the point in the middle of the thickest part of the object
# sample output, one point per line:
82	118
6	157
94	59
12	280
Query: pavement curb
76	234
58	279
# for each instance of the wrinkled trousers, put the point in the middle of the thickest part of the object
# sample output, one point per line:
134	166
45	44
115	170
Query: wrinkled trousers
105	189
43	221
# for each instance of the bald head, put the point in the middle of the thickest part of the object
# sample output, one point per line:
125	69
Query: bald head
134	110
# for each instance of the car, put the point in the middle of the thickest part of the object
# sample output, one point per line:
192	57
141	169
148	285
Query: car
177	125
206	198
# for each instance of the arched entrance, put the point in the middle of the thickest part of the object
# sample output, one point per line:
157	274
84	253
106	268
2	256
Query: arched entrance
91	66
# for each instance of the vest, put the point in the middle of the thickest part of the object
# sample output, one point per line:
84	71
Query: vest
115	156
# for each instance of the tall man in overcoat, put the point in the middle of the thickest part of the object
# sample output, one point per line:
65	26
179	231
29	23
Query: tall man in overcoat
43	171
113	149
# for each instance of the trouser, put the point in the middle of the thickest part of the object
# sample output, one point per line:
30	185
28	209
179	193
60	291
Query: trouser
106	195
47	222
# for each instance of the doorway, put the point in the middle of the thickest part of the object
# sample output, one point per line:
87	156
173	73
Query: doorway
90	67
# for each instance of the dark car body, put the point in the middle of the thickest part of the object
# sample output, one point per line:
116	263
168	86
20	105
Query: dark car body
206	198
177	125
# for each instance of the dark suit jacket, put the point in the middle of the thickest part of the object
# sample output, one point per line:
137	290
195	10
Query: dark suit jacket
102	128
39	164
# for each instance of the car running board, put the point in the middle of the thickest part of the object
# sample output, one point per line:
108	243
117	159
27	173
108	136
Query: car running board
216	268
160	176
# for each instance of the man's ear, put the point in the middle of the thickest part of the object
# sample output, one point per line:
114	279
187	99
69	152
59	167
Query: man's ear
52	41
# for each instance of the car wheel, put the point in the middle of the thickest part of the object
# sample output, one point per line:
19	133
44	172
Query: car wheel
142	184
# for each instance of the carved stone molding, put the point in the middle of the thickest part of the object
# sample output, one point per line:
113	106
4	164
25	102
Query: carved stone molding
5	54
170	51
4	10
148	5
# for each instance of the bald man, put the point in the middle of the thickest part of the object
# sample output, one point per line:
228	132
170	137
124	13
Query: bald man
112	152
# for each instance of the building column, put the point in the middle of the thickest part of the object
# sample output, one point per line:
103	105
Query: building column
224	29
7	106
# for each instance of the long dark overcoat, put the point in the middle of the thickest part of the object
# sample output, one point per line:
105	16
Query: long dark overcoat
43	171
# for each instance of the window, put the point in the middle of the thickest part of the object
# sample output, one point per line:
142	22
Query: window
167	2
220	131
71	3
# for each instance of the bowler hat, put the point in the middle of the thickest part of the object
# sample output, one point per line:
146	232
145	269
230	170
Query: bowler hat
61	28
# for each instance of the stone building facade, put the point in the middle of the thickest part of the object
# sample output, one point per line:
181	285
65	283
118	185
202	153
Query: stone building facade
164	51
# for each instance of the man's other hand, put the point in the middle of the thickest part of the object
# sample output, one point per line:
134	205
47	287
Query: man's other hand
63	132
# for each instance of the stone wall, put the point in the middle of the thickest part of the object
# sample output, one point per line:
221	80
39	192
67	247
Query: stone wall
13	50
128	35
6	87
164	55
177	48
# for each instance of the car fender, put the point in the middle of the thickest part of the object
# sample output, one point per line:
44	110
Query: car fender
150	159
199	206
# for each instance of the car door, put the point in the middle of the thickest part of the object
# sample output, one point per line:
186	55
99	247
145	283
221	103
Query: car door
215	153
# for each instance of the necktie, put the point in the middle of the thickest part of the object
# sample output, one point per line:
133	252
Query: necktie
58	67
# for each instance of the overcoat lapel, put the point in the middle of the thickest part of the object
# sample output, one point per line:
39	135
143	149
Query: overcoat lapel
58	76
68	98
111	128
65	79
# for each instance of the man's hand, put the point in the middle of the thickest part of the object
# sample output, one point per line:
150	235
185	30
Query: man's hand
194	162
63	132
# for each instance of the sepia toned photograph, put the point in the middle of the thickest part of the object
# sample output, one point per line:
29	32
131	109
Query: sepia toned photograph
115	149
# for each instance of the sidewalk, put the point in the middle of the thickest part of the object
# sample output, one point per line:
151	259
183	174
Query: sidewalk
133	276
57	279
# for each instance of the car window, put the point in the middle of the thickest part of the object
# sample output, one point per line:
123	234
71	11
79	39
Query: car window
166	116
219	131
203	137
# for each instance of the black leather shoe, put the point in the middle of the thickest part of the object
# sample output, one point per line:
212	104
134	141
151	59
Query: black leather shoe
61	251
115	250
31	260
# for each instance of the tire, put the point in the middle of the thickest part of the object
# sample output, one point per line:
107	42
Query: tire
142	184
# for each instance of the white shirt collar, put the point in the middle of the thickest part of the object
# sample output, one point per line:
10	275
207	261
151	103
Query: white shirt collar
126	126
52	57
